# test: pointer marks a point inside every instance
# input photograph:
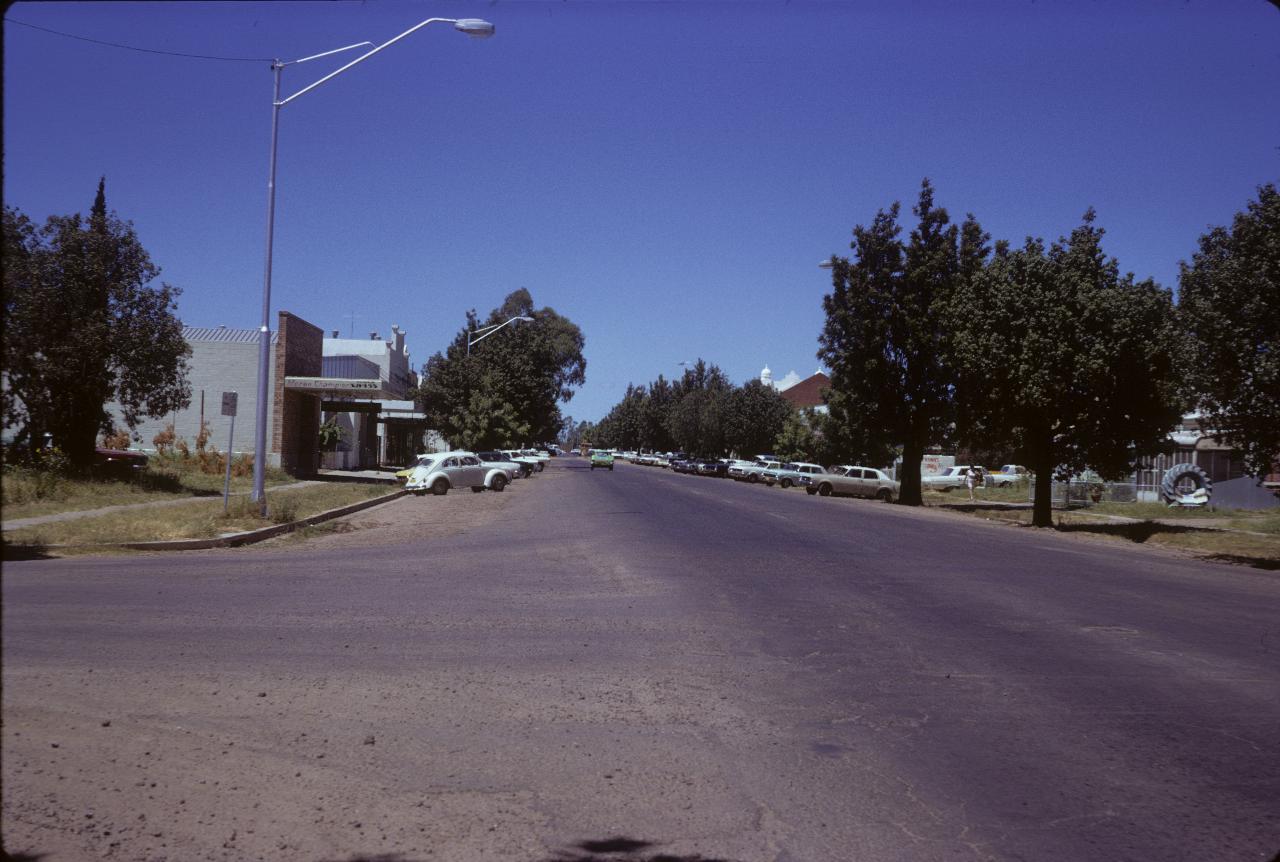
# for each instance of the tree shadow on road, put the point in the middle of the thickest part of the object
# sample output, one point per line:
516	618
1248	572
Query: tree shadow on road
1138	533
984	506
1272	565
1143	531
14	551
20	857
621	849
616	849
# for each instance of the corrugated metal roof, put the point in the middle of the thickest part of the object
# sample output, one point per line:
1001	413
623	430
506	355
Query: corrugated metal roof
219	333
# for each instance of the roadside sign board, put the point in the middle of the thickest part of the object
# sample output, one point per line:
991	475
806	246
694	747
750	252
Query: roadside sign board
229	403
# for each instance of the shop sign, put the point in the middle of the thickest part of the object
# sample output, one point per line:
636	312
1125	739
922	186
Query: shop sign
328	384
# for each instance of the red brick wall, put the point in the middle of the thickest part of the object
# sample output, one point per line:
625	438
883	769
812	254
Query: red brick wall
296	419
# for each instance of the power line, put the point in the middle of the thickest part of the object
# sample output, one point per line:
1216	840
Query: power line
143	50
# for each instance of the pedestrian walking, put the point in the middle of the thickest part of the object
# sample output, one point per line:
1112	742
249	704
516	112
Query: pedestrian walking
973	479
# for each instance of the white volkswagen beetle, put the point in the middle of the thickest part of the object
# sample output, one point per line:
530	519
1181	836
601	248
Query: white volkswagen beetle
438	472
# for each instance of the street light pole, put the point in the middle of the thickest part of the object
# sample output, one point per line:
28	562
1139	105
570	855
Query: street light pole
472	27
489	330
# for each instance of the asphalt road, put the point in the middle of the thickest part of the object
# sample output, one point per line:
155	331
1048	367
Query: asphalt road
639	665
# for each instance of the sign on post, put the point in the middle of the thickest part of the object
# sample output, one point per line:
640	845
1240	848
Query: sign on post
229	409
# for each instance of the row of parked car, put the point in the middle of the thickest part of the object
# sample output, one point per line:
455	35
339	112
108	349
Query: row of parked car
849	480
440	472
958	477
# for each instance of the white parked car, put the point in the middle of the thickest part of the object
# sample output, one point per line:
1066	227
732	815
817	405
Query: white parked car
497	459
1008	475
791	473
534	464
853	482
756	472
438	472
954	477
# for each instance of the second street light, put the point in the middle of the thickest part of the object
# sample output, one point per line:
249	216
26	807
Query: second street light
472	27
490	330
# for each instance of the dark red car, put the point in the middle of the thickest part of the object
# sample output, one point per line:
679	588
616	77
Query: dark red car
118	463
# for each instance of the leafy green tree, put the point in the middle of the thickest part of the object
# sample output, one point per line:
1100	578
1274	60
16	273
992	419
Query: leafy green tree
755	417
797	441
696	418
577	433
1065	360
701	413
623	426
891	384
507	389
85	327
655	427
1229	303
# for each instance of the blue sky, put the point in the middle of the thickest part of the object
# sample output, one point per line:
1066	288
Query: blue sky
668	175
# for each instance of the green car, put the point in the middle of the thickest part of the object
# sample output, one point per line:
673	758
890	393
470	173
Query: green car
601	459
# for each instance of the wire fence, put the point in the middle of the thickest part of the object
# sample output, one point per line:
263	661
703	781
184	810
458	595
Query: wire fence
1087	493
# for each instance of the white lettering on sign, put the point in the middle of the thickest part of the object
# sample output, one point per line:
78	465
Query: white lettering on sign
333	384
229	403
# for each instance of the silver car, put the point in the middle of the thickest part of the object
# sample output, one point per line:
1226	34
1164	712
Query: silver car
853	482
516	456
438	472
791	473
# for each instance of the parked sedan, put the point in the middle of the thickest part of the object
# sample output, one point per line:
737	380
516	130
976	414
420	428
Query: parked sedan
757	471
438	472
719	469
791	473
953	477
683	463
853	482
118	463
502	462
534	464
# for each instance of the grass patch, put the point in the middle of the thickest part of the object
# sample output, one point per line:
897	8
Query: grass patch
1153	511
30	493
204	520
1220	542
1016	493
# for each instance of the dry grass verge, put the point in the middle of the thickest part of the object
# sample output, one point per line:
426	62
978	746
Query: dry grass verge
196	521
30	493
1248	538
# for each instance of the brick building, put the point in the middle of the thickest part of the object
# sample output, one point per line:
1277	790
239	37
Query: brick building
801	394
295	413
226	360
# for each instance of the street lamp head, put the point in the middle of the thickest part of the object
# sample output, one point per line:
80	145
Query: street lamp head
530	319
474	27
829	263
